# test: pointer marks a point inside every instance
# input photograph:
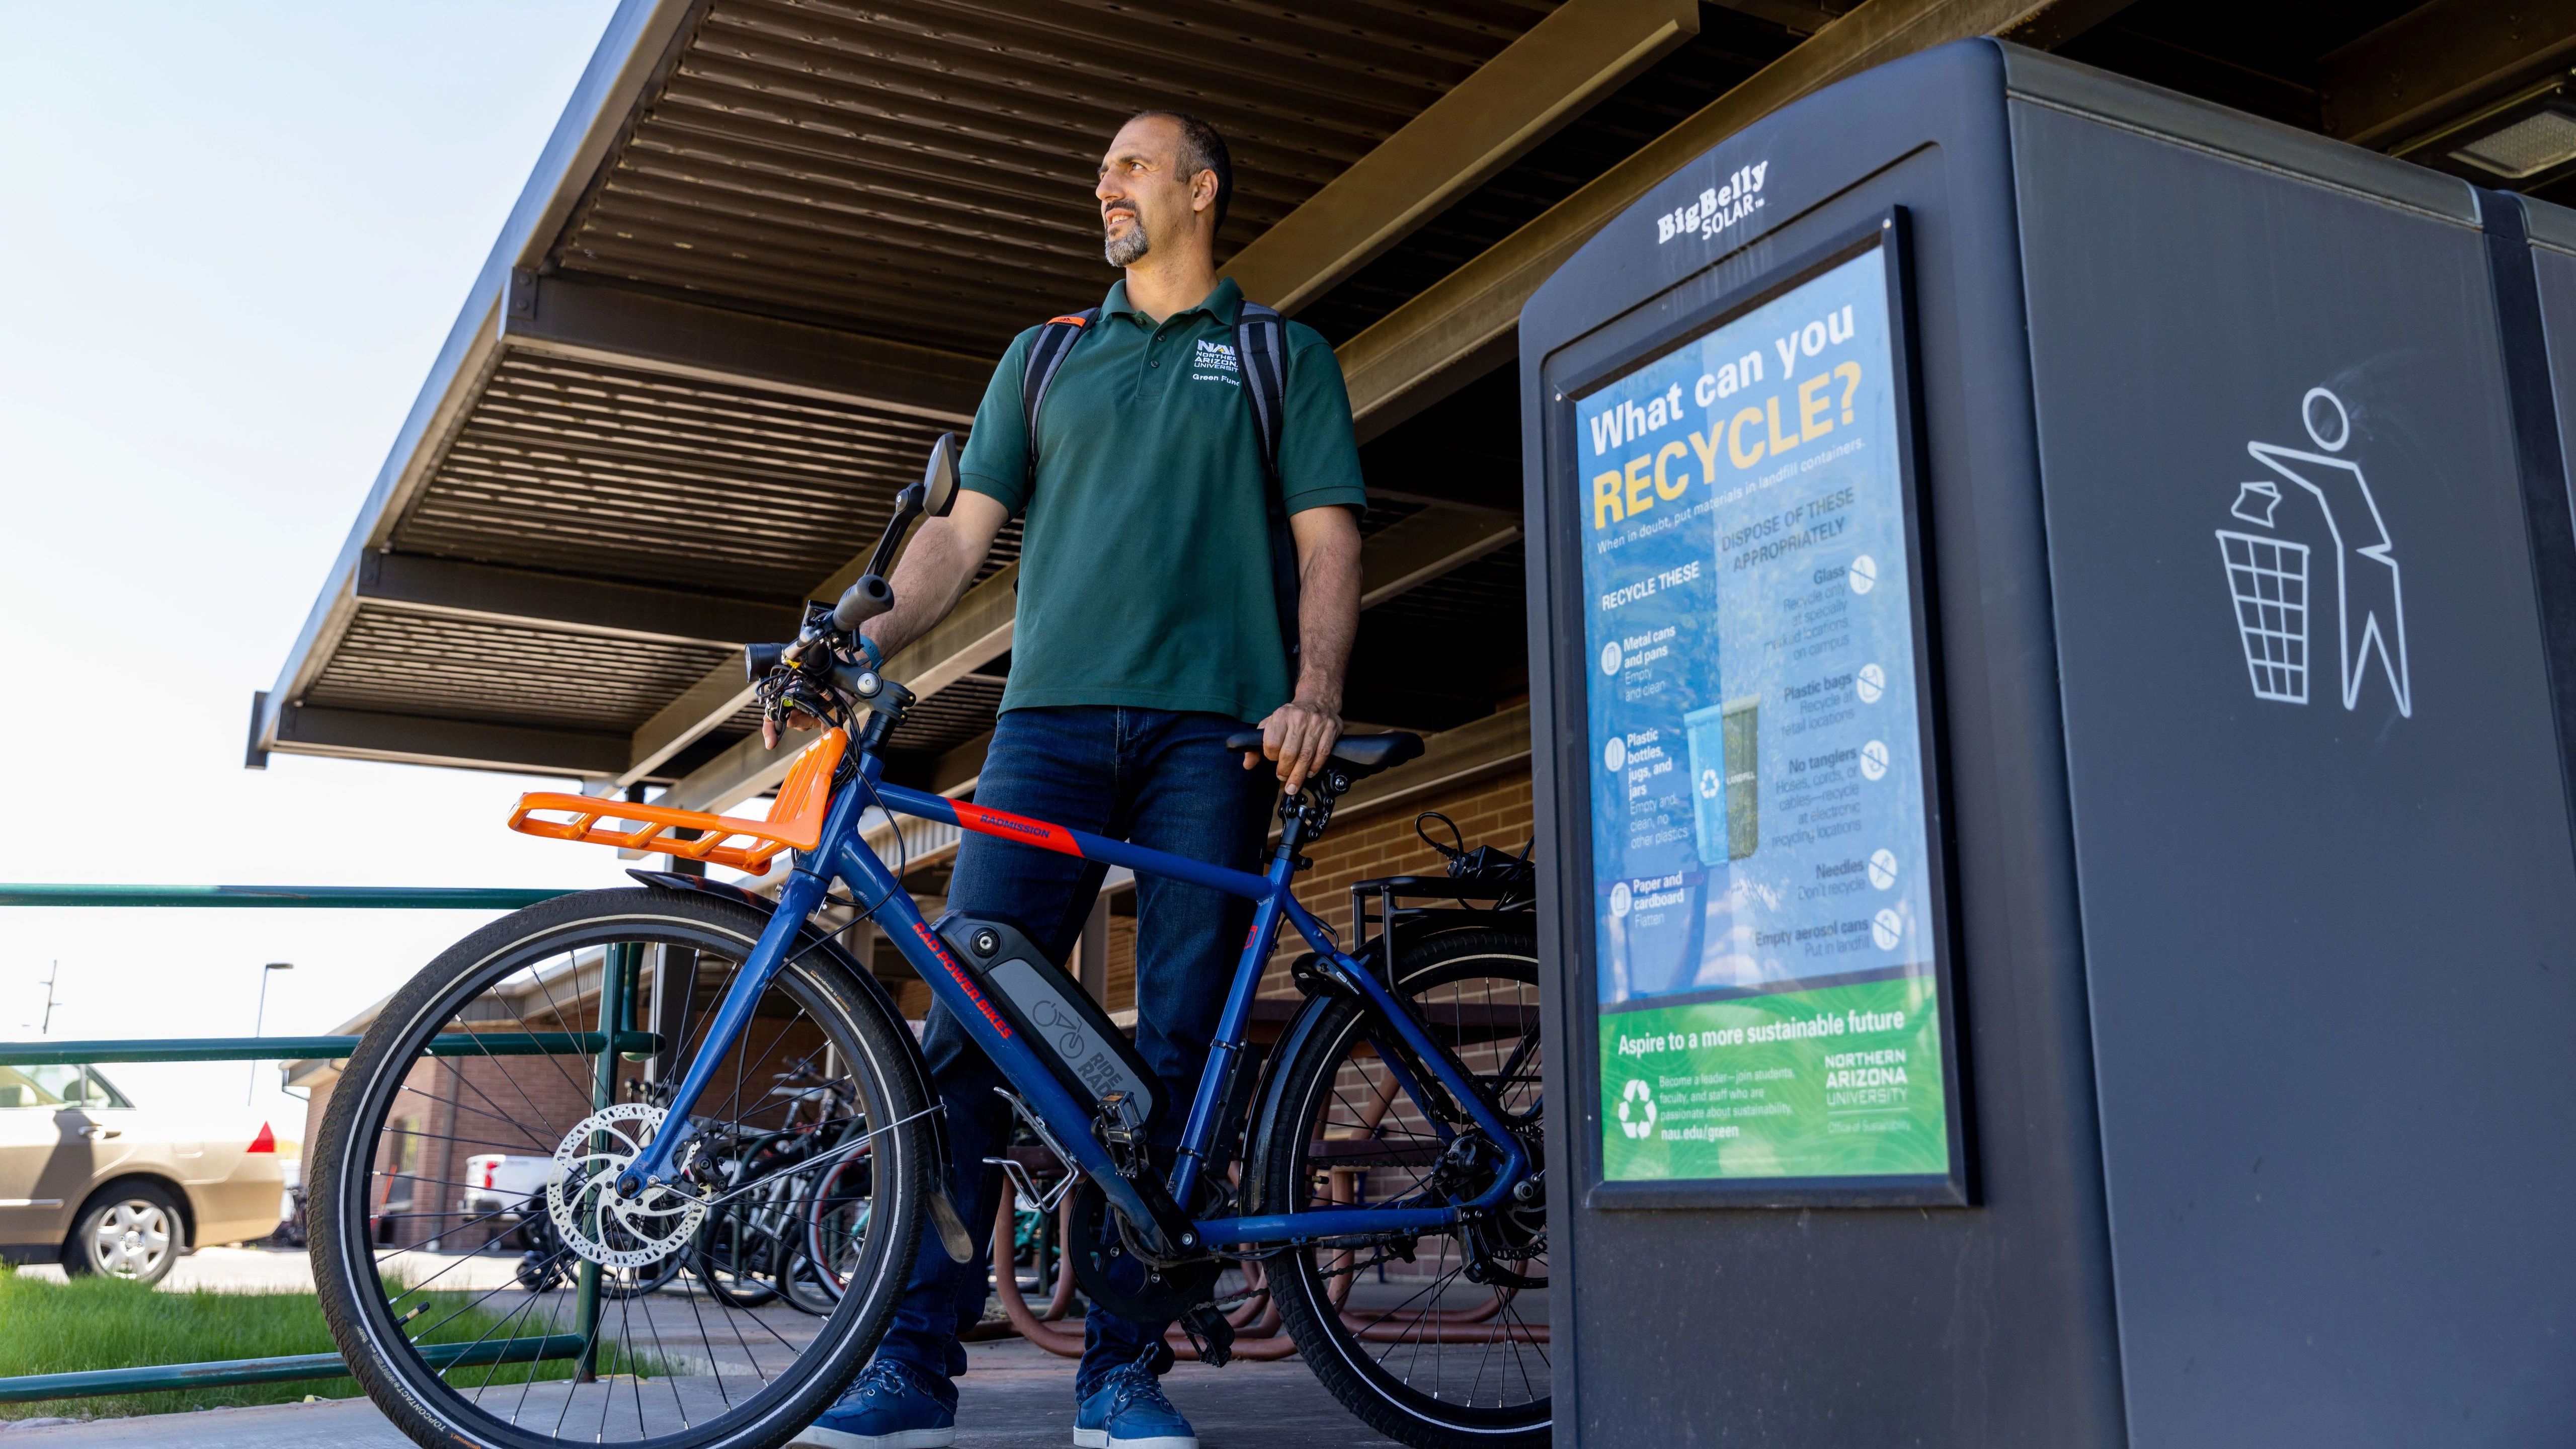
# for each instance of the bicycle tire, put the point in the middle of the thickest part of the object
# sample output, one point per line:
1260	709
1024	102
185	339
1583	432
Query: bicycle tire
1312	1103
756	1408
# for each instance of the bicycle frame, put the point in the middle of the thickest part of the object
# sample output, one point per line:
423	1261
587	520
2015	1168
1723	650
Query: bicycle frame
843	854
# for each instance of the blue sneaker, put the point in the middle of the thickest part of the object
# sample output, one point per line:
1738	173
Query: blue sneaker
1128	1411
891	1406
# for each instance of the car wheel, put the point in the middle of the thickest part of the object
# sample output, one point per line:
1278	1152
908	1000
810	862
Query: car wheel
130	1231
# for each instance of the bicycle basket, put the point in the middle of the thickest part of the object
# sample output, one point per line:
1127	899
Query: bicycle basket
795	818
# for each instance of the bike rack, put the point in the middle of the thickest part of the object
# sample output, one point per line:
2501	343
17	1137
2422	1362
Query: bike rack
617	1003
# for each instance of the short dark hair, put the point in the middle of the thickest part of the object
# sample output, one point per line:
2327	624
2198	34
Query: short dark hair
1202	149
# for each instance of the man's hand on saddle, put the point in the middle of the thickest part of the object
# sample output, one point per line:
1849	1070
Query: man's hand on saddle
1299	735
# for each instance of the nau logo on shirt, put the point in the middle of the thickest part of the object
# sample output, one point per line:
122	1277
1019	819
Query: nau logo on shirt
1214	363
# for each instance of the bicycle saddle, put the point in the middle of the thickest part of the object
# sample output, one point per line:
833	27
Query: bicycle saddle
1360	755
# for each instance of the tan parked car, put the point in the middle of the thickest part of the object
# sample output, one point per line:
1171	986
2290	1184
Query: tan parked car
90	1180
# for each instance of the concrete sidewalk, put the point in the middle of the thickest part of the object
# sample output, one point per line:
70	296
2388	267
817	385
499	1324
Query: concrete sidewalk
255	1269
1015	1395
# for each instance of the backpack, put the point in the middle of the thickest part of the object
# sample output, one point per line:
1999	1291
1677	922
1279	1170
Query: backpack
1261	347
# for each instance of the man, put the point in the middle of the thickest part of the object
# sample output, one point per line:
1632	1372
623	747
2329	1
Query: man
1147	630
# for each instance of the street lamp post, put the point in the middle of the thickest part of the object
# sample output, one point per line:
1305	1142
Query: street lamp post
250	1094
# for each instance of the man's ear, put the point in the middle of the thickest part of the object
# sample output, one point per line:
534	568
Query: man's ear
1203	191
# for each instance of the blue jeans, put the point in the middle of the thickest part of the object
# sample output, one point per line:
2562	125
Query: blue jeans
1161	780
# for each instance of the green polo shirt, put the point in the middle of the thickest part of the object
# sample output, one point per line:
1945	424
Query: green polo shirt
1145	551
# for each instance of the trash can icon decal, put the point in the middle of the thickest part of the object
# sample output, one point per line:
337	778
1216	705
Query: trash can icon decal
2268	573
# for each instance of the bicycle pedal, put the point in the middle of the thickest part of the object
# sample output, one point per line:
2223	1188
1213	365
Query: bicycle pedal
1210	1333
1122	1131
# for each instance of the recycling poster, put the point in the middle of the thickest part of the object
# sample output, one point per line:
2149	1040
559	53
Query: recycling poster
1761	869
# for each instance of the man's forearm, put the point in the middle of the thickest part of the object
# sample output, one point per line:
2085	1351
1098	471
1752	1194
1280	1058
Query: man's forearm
1328	615
936	567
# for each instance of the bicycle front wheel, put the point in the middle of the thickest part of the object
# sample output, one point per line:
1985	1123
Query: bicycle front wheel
1438	1340
498	1047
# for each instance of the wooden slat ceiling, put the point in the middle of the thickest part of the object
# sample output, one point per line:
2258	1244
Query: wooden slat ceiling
923	169
636	476
919	171
426	664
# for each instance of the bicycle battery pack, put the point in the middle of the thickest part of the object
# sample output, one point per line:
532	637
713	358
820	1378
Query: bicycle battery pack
1068	1030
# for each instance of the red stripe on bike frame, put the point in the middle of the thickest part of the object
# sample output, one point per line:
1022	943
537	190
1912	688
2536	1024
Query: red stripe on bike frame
1003	825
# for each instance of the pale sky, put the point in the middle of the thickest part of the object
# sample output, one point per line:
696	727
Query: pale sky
232	238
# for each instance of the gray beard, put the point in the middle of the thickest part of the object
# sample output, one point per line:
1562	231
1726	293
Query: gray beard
1128	250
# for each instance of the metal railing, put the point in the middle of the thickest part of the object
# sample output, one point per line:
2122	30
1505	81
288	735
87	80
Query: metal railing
618	997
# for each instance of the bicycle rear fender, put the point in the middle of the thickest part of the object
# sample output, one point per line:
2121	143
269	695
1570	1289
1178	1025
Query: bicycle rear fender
1267	1105
1272	1084
807	939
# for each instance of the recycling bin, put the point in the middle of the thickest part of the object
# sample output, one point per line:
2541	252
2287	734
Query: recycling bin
2052	645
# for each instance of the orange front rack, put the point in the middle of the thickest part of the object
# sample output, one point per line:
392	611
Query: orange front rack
795	818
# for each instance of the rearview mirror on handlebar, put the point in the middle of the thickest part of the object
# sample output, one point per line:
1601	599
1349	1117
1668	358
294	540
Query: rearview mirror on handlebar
939	479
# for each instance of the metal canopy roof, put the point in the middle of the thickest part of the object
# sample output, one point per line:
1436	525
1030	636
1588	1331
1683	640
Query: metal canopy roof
768	256
620	473
920	169
924	170
773	245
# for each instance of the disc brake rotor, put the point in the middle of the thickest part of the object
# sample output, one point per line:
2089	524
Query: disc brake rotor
596	1220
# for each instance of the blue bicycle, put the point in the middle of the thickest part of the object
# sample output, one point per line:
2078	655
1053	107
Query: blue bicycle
1376	1172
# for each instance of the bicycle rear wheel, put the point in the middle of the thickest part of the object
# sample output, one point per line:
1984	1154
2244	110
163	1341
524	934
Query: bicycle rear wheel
1438	1340
497	1047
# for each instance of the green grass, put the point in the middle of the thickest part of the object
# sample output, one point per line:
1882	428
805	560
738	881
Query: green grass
105	1323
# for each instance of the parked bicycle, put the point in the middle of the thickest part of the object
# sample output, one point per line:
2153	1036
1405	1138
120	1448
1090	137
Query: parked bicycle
1388	1150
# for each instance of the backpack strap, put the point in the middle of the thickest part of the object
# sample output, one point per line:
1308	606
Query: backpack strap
1046	356
1261	344
1261	341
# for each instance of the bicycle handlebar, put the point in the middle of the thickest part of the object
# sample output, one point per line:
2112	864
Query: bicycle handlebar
1243	740
863	601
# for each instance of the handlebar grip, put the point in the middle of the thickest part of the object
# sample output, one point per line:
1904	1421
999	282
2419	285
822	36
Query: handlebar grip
1244	740
759	659
866	599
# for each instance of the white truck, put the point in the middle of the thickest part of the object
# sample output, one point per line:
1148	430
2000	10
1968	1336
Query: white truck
500	1182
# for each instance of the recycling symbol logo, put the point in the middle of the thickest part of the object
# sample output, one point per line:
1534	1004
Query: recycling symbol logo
1710	784
1637	1109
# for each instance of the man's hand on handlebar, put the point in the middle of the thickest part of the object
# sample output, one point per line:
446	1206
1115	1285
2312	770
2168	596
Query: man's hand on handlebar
802	720
1300	736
